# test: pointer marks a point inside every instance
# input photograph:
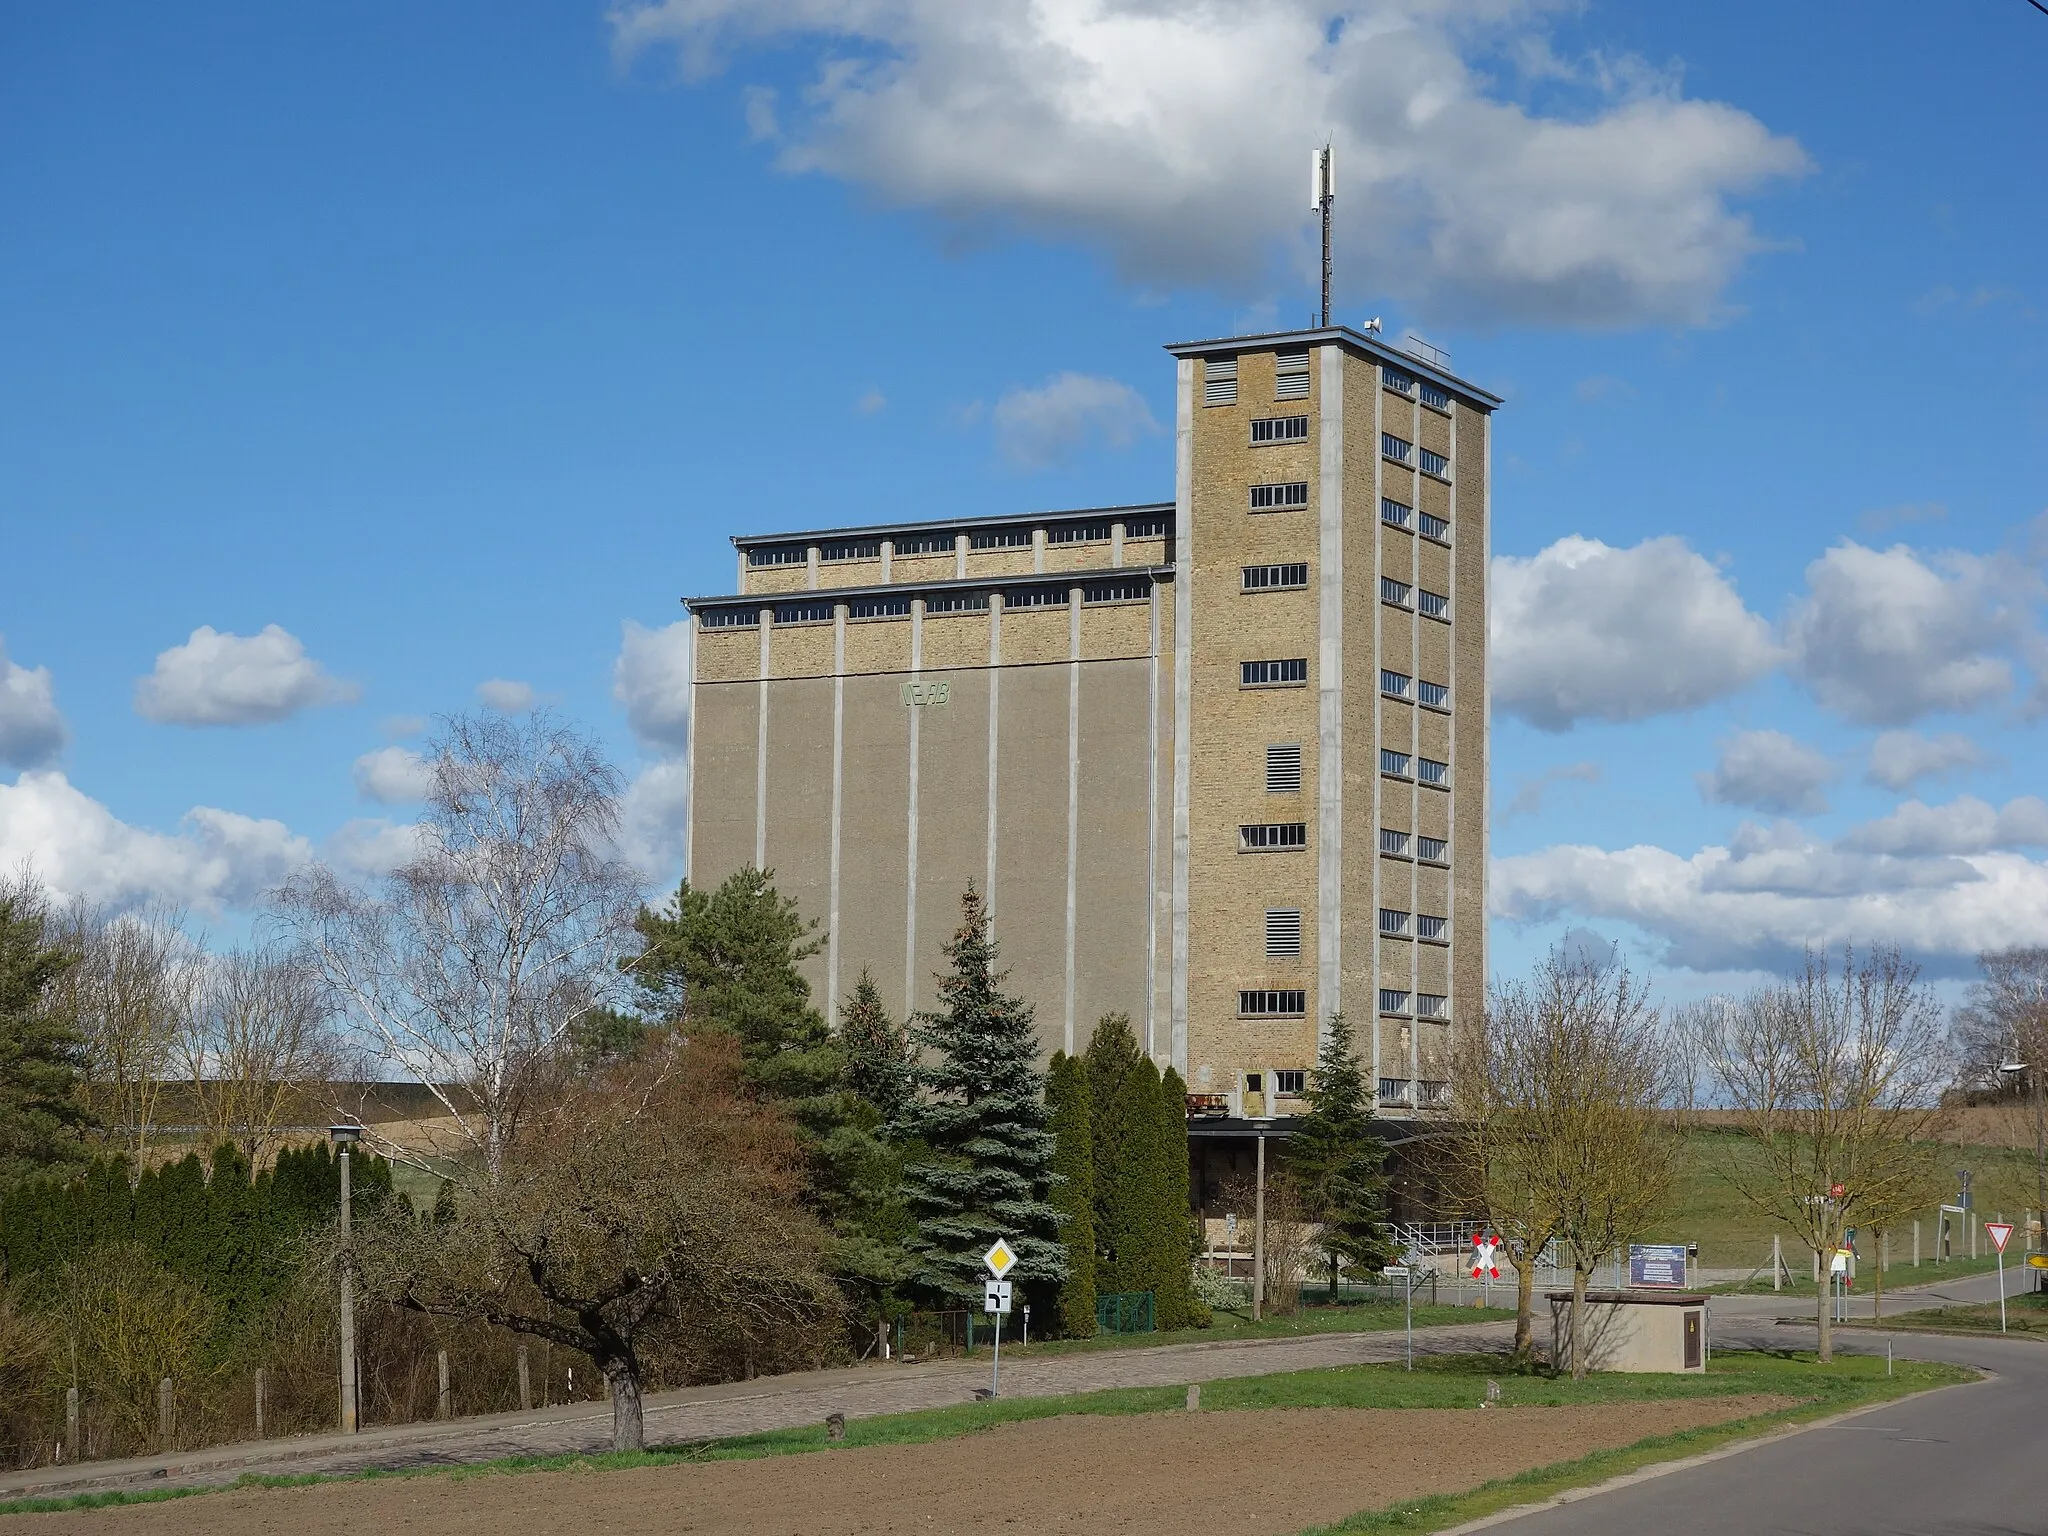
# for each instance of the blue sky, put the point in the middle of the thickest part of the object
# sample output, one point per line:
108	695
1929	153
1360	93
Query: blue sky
452	340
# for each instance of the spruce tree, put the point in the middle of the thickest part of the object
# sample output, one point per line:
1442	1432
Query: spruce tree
1073	1190
42	1110
1125	1115
1176	1306
983	1169
878	1065
1336	1162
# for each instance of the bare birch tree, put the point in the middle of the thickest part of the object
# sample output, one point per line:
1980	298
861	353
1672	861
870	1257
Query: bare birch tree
1561	1087
1837	1076
2003	1032
471	965
130	996
259	1049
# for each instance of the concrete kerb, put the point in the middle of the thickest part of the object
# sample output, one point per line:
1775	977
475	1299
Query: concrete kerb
1684	1463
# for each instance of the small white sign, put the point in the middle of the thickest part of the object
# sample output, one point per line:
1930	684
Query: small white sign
995	1296
1000	1258
1398	1271
2000	1232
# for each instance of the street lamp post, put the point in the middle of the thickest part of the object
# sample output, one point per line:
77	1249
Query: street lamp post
346	1136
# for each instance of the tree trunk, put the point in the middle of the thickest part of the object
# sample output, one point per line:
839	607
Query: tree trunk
1525	1304
1578	1322
628	1432
1826	1292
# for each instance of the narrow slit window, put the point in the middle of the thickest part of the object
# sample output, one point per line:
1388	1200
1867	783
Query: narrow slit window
878	608
779	554
1036	597
1268	836
1433	850
1431	1005
925	544
1000	538
1275	578
1396	448
957	602
1394	684
1273	674
1394	762
1393	1000
1395	592
1399	382
1394	842
1434	395
1436	464
730	618
1078	533
1394	924
1435	695
803	613
852	549
1282	1003
1433	605
1285	496
1280	429
1394	513
1116	592
1432	927
1430	771
1146	528
1436	528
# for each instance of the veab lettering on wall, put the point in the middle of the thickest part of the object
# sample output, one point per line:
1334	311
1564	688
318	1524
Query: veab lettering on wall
924	695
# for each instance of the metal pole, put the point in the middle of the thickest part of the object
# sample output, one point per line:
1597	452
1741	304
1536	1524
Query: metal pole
995	1378
348	1311
1259	1237
2001	1290
1409	1310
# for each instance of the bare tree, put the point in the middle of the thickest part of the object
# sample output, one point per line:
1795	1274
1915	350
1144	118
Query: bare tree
1838	1076
130	996
2002	1030
474	962
1563	1085
259	1050
657	1196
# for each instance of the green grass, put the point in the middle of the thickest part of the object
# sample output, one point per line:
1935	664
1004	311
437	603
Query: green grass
1437	1382
1707	1207
2025	1314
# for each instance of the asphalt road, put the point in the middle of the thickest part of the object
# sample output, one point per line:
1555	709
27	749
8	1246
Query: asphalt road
1966	1461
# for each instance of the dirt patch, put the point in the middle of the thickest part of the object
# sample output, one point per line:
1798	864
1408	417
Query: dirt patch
1256	1473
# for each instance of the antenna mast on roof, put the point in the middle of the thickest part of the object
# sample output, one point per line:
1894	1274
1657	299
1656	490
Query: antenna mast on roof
1322	193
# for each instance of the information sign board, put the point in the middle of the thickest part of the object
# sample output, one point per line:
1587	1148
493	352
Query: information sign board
1657	1265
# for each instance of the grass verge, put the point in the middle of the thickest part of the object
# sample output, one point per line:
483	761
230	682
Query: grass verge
2025	1315
1457	1381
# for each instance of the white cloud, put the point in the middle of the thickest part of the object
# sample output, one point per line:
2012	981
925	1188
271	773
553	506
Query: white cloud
1965	825
32	732
1901	759
1769	771
506	695
1175	138
654	820
370	847
227	679
393	775
871	400
1528	797
1584	631
652	679
1757	902
80	848
1037	428
1885	637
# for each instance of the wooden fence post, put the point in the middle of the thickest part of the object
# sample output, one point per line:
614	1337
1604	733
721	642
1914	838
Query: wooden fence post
443	1408
259	1402
165	1413
525	1382
71	1423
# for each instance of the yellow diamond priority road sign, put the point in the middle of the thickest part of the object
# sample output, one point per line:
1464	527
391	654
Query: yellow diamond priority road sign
999	1258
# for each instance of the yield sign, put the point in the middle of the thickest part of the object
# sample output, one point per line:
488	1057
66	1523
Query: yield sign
2000	1231
999	1258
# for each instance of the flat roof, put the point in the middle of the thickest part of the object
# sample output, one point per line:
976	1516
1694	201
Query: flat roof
1000	520
1343	335
914	588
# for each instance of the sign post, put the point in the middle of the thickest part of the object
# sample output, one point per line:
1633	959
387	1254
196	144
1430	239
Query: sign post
995	1300
1999	1232
1405	1273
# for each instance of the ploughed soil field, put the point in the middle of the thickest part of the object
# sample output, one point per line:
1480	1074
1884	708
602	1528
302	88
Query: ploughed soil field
1255	1473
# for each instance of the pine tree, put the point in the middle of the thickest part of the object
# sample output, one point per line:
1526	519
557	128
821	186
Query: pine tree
1125	1121
984	1169
1175	1305
42	1110
878	1065
1073	1190
1336	1162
